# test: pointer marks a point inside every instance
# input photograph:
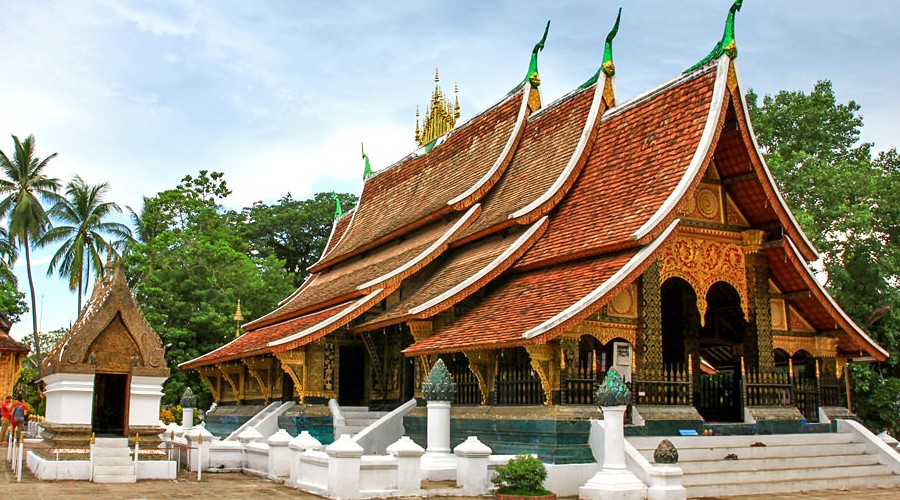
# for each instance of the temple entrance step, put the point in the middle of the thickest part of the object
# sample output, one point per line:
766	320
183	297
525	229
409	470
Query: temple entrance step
357	418
112	461
717	466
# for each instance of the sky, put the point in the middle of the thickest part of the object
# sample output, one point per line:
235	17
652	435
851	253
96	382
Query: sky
278	95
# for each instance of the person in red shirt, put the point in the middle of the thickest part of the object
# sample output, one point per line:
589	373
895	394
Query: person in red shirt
5	408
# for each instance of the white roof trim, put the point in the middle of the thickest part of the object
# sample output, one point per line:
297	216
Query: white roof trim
765	165
603	289
831	301
318	326
481	272
307	281
520	122
576	155
428	251
709	131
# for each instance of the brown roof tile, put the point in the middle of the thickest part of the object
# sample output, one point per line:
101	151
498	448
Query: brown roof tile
341	282
9	344
410	193
466	268
545	302
641	153
547	144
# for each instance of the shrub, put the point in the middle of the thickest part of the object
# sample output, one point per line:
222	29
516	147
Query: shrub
166	416
523	475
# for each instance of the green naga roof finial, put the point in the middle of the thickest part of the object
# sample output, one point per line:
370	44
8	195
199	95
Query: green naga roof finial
532	75
607	65
338	211
368	170
727	44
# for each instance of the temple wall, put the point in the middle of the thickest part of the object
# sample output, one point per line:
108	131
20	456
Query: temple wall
70	398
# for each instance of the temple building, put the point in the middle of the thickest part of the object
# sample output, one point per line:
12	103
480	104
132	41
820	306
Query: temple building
538	245
12	353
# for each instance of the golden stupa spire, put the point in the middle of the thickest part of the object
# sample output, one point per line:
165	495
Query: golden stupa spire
440	115
238	319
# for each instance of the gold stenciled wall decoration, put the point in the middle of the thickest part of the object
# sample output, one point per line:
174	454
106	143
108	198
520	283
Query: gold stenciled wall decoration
702	263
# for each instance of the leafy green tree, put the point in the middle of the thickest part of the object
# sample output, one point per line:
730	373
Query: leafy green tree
12	301
23	186
846	201
294	231
83	229
190	270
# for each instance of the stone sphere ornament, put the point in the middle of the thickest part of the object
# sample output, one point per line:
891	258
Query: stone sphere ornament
439	386
665	453
613	391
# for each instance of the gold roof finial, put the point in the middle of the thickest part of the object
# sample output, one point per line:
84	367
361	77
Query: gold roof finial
440	115
238	319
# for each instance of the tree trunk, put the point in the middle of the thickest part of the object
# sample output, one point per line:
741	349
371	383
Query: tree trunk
37	344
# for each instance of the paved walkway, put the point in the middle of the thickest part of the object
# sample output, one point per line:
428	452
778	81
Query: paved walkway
240	486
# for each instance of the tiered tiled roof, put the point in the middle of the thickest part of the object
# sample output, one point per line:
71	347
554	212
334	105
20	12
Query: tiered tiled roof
548	216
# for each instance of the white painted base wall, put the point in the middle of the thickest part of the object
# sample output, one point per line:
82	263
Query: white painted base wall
565	479
80	470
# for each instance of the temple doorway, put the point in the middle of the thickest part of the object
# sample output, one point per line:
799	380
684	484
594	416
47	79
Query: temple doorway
721	355
110	410
287	388
351	375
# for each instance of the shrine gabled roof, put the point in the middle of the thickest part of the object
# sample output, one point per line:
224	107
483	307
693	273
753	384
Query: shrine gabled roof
457	275
791	273
9	344
384	267
544	302
419	189
647	155
257	340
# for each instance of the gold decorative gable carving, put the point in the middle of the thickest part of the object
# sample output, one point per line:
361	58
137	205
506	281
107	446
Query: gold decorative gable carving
779	316
798	323
624	305
703	263
110	336
705	205
733	215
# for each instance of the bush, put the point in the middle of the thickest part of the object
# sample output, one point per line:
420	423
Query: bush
523	475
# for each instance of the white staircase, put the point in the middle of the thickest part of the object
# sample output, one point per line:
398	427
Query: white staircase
112	461
787	463
356	418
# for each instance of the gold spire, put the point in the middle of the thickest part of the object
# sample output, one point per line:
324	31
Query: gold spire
238	319
440	115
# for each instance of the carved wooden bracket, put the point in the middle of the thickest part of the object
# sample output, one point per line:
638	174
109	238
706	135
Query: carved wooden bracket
421	328
543	360
483	364
260	369
234	375
293	363
211	376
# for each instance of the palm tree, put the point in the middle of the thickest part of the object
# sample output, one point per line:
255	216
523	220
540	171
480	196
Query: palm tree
82	228
23	183
8	255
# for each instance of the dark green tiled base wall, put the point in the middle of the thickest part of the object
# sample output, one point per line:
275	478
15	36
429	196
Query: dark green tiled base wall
223	425
319	427
553	441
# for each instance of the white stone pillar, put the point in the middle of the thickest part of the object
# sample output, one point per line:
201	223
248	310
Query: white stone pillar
304	441
279	454
198	452
145	394
344	458
472	466
409	473
613	481
70	398
438	427
666	483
